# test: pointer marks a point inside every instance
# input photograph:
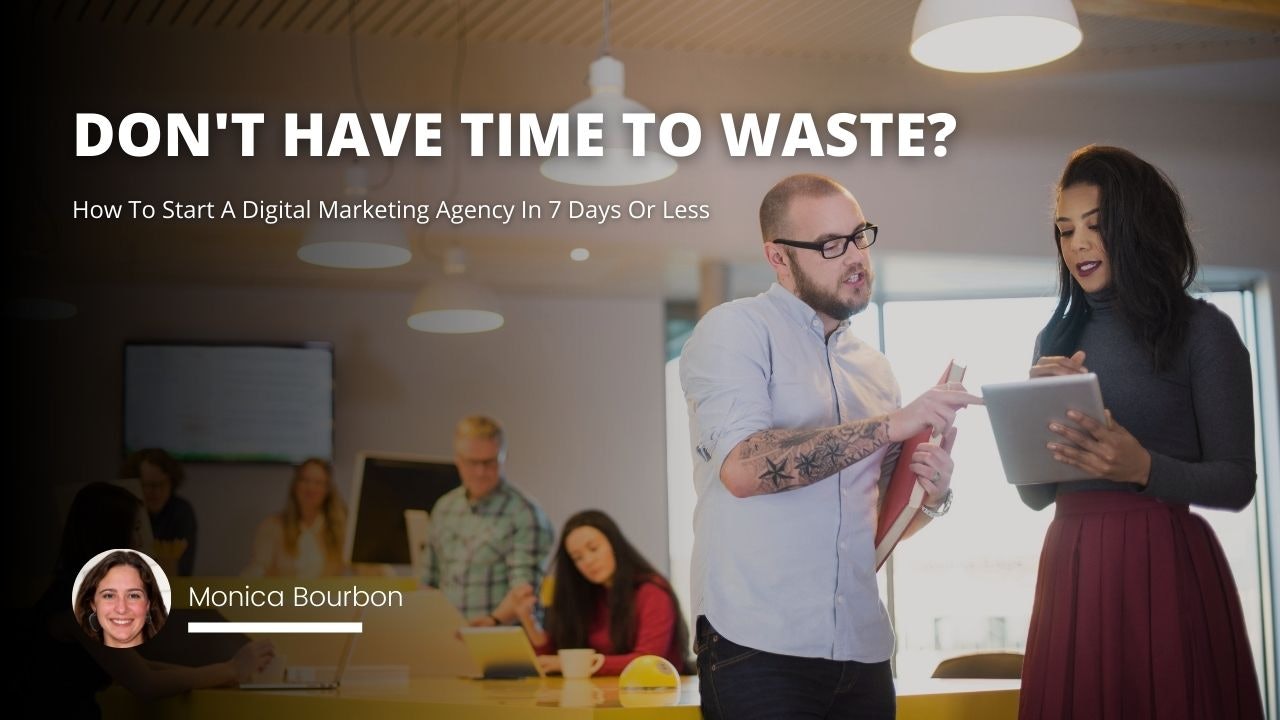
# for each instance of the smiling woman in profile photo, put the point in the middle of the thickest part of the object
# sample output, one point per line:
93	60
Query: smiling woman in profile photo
119	602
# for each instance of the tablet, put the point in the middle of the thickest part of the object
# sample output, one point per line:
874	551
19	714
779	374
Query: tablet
501	652
1020	414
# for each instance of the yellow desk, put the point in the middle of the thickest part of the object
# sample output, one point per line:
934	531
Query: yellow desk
456	699
452	698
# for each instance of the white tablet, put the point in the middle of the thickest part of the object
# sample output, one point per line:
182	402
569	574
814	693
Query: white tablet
501	652
1020	414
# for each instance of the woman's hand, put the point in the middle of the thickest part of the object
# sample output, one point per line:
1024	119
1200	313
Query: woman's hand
1106	451
933	466
1052	365
549	663
252	658
518	604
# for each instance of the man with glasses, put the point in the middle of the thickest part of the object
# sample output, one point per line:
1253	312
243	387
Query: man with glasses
486	538
795	424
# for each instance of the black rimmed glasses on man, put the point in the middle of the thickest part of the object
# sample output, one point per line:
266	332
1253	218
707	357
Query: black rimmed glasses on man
837	245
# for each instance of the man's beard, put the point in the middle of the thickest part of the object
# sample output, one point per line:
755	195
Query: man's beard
828	302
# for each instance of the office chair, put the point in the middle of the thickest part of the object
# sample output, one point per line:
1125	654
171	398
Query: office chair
982	665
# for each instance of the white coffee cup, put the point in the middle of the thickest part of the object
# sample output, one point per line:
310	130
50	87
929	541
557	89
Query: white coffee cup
579	663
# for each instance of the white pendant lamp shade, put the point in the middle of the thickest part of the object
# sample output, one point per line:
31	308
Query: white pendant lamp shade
454	306
355	244
980	36
617	166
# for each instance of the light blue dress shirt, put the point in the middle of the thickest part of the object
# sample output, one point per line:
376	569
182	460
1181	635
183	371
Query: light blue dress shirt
791	573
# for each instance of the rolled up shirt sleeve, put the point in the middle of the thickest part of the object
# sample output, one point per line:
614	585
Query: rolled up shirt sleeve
724	370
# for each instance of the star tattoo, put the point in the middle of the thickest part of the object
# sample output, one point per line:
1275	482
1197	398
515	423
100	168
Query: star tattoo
807	464
776	473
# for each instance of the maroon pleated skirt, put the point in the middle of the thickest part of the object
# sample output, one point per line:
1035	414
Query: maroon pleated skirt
1136	616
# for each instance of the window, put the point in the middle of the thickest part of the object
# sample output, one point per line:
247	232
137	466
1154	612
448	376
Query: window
967	583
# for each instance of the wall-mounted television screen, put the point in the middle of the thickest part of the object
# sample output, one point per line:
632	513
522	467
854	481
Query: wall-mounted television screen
230	402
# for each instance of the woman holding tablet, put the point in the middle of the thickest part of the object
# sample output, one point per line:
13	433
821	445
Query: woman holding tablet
1136	613
606	597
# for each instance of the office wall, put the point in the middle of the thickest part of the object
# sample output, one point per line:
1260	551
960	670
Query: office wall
577	382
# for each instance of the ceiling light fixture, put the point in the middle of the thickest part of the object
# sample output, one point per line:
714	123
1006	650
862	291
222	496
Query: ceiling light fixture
355	244
982	36
452	305
617	166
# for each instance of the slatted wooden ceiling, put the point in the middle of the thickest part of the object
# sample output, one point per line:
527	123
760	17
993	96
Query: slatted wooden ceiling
792	28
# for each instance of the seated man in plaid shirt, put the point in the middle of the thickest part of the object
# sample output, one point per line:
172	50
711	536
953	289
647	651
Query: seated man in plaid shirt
486	536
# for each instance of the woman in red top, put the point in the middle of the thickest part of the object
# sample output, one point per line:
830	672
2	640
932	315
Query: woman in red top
606	597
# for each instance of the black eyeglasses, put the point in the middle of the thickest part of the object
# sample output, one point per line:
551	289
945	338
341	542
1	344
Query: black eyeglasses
832	248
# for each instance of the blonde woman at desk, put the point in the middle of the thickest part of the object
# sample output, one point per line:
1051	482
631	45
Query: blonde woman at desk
305	539
606	597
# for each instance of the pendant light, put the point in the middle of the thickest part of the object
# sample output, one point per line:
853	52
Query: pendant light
453	305
982	36
355	244
617	166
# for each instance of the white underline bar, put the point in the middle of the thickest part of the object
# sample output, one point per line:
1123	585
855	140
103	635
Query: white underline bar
275	627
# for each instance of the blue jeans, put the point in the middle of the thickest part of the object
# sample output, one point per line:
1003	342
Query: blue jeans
739	683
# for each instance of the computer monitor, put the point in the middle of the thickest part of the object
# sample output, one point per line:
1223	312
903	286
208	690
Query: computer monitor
385	486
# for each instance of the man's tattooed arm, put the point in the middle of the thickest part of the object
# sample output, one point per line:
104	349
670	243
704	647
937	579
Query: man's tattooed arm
772	461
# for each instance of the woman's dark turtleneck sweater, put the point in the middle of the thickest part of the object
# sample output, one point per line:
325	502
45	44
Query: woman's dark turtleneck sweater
1196	418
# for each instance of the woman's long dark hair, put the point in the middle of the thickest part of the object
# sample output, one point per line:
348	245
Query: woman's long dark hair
156	612
575	597
1149	252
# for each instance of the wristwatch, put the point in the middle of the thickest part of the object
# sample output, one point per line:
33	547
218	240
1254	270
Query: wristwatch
941	509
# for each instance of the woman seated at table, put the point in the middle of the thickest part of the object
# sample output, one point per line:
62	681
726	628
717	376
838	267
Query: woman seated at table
305	539
606	597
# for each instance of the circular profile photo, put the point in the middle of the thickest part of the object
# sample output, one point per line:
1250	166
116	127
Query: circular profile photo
121	598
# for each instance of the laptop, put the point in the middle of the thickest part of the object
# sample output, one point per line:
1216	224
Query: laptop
1020	414
333	684
421	635
503	653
